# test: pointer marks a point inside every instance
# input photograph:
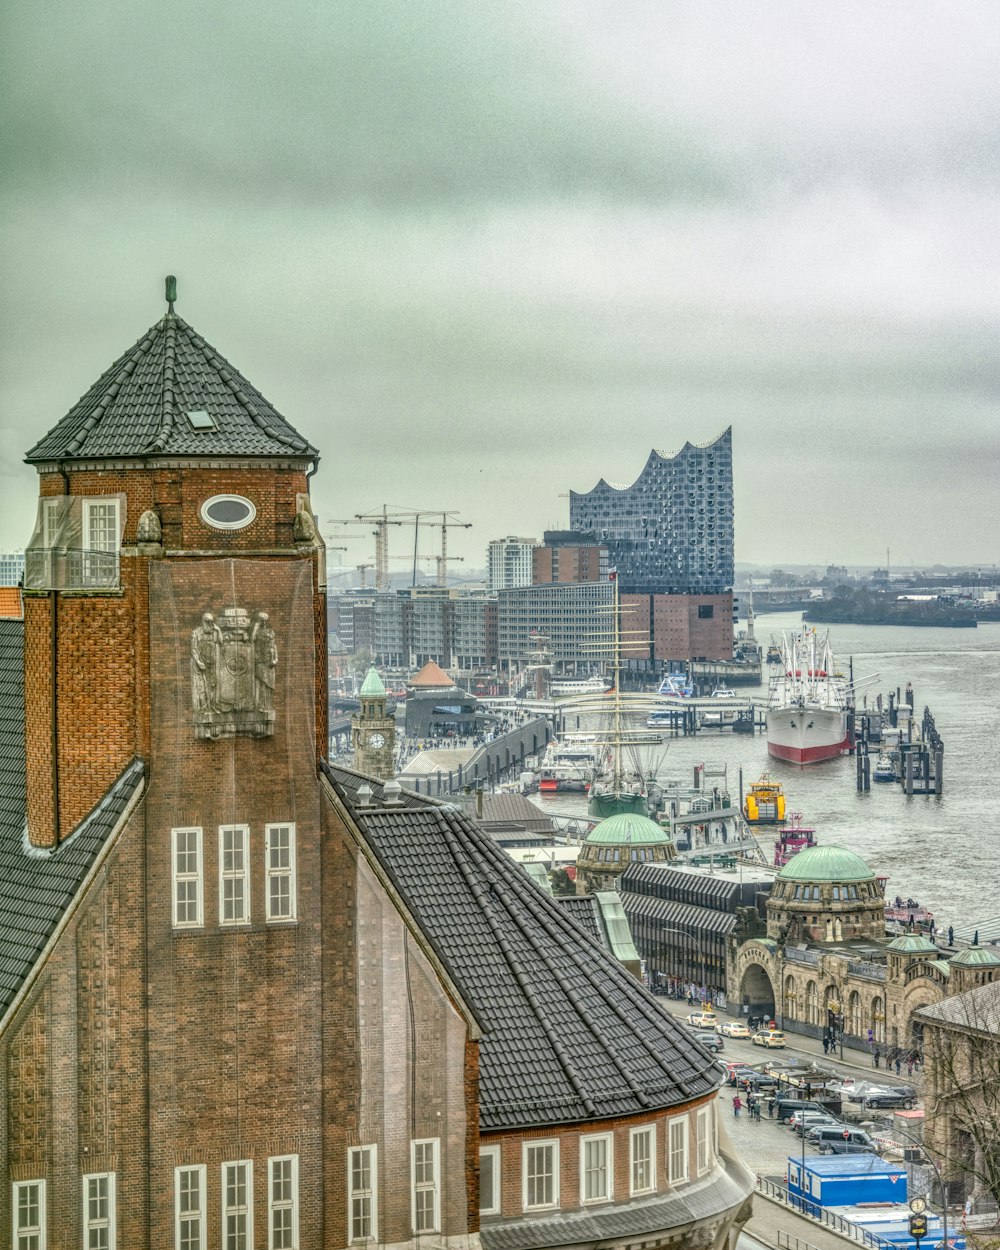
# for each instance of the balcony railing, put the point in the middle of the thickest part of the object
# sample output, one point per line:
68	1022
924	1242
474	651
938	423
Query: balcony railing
70	568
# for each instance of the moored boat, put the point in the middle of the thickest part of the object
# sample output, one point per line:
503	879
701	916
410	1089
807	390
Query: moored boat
793	838
807	703
765	802
884	769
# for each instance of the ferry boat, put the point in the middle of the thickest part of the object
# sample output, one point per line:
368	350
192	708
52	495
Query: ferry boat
568	764
765	802
716	715
807	703
663	718
562	687
793	838
674	686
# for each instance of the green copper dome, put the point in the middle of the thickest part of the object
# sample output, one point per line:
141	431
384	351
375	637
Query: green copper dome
627	829
976	957
912	944
372	687
826	863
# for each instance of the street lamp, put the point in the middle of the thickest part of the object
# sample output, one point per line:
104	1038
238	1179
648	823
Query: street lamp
937	1172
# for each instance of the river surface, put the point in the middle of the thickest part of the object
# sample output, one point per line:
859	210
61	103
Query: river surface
942	850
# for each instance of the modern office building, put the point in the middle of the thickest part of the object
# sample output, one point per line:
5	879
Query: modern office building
508	562
574	617
11	568
671	531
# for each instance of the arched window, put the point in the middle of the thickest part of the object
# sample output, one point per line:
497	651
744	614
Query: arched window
854	1014
812	1003
878	1019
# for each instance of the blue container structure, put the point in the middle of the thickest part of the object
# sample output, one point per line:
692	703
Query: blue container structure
845	1180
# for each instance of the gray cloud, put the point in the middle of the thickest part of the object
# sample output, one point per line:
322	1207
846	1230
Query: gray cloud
483	255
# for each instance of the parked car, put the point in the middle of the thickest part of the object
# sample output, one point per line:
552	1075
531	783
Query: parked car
741	1072
841	1140
702	1019
785	1108
811	1120
890	1098
733	1028
711	1041
769	1037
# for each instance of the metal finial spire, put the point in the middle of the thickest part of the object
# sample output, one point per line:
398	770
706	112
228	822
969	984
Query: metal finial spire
171	291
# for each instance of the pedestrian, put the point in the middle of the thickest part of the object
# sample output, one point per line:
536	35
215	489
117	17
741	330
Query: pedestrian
756	1111
951	935
771	1100
876	1056
909	1065
899	1062
826	1043
737	1106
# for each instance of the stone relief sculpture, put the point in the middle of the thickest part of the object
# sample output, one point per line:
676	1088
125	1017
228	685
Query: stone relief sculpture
233	663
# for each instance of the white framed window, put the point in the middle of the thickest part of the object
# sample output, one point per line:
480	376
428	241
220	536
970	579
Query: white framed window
101	540
189	910
237	1205
99	1211
677	1150
642	1160
362	1195
279	871
28	1209
425	1186
489	1180
596	1165
703	1138
283	1203
189	1208
540	1172
234	874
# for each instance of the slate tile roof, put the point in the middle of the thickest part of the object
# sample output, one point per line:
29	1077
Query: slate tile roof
569	1035
139	407
36	887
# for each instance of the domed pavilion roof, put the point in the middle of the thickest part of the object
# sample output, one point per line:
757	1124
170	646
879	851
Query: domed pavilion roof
976	957
826	863
372	687
912	944
627	829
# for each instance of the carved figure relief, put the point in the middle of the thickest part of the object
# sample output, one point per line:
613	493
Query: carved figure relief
233	662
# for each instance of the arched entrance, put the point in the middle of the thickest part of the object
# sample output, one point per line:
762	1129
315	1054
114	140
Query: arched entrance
756	992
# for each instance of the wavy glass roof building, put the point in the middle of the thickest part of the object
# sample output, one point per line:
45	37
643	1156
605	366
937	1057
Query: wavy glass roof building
671	531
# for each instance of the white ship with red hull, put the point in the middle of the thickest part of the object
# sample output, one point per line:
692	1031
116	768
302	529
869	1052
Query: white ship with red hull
807	703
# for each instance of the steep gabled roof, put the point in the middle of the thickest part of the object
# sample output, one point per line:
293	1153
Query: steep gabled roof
139	407
569	1035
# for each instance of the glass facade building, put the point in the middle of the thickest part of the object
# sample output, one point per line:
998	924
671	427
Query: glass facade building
671	531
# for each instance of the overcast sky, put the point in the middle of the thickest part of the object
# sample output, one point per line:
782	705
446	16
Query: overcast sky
481	254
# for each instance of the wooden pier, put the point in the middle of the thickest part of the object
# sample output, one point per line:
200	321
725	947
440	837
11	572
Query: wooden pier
916	750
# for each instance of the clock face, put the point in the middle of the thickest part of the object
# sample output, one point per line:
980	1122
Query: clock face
918	1205
376	740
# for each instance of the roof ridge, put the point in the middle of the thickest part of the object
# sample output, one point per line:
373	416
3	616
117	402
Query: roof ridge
128	364
227	375
168	408
515	966
570	945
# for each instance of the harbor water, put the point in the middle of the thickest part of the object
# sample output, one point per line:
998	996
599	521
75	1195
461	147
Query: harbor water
941	850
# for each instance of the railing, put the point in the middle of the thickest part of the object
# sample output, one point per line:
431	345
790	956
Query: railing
70	568
795	956
787	1242
812	1210
867	971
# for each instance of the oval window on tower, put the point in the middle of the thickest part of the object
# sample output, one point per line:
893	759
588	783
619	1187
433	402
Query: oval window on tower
227	512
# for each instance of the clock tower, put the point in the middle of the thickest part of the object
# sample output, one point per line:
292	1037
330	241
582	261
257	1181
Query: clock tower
373	731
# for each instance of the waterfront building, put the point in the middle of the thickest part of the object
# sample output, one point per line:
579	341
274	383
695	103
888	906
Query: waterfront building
245	989
671	531
508	562
406	628
568	556
575	618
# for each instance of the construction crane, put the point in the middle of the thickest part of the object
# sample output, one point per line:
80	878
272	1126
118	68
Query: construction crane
401	516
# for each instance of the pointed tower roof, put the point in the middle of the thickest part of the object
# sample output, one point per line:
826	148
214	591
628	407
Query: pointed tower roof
372	687
432	677
172	394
